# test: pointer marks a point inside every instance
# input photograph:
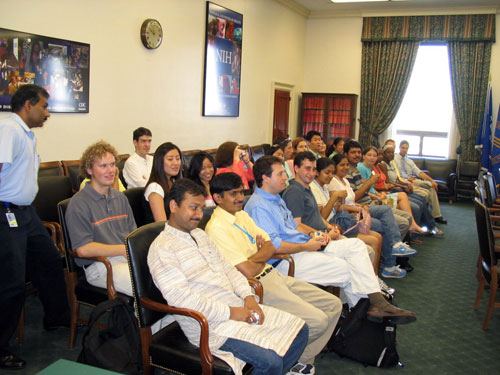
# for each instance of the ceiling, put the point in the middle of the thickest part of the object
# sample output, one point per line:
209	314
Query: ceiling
325	8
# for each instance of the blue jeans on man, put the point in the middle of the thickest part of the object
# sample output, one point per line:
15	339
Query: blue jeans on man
266	361
383	222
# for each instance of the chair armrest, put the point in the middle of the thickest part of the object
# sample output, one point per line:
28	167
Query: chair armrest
289	259
207	360
56	235
109	272
257	287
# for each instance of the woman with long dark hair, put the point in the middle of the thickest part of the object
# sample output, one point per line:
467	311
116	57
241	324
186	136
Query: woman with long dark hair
167	166
201	170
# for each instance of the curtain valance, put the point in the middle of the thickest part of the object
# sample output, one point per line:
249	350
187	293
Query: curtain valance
458	28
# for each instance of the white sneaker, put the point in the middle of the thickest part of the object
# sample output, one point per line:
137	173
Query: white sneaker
384	287
302	369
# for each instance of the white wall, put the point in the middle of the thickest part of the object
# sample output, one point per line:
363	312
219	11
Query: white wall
162	89
332	61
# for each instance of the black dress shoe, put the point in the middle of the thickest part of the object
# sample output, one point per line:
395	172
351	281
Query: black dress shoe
441	220
11	362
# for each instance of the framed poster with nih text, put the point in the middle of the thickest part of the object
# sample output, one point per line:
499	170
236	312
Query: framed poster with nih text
60	66
224	34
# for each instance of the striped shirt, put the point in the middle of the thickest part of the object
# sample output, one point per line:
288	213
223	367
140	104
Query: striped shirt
191	273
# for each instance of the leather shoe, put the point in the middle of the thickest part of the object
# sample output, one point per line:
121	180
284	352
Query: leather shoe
441	220
11	362
391	313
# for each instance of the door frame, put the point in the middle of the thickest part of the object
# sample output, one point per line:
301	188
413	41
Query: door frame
292	111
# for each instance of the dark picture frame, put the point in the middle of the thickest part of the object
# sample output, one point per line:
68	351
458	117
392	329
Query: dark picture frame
223	47
61	66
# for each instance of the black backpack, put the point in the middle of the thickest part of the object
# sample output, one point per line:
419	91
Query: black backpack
118	347
368	342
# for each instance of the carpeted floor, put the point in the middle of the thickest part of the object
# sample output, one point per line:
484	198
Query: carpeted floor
446	339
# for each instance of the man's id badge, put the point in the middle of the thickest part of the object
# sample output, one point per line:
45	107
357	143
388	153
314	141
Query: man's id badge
11	218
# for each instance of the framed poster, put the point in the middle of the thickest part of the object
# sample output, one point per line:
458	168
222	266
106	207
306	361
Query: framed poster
224	31
60	66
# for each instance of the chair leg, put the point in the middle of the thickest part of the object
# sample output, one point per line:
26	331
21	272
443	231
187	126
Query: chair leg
75	311
479	292
491	305
20	328
146	339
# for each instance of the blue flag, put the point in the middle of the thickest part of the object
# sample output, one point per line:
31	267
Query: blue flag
483	140
495	150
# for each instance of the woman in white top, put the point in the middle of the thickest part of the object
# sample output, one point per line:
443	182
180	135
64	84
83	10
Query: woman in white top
330	204
167	166
201	170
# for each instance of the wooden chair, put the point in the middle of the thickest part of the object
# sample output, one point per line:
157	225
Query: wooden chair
167	349
50	168
79	290
72	170
489	263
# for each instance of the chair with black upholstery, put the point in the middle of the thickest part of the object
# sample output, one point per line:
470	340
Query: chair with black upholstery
186	159
168	349
489	263
135	198
50	168
72	170
463	180
79	290
212	152
490	187
258	151
120	164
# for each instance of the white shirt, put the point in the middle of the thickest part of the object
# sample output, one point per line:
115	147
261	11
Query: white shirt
336	185
137	170
20	162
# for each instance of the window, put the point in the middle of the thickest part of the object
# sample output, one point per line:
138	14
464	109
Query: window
426	114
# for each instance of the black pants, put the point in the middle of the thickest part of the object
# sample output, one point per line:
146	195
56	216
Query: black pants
28	246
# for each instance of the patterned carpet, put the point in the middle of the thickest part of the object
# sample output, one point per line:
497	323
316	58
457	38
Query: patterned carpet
446	339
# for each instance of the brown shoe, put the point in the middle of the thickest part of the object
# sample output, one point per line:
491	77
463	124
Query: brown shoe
391	313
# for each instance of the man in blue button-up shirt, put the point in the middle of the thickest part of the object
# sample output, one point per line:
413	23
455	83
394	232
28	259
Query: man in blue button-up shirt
24	238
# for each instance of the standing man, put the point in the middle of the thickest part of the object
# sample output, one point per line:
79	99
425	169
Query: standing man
314	142
409	171
248	248
25	241
138	166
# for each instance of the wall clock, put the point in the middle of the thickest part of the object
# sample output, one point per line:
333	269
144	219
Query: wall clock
151	33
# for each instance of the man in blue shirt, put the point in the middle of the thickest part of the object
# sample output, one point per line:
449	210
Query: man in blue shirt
24	238
343	263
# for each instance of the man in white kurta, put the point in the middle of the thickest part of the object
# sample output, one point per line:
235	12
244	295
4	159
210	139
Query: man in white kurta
191	273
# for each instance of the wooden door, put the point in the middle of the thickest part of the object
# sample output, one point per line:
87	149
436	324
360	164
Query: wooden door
281	111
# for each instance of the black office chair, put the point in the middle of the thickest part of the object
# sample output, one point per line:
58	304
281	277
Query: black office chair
79	290
463	180
168	349
72	170
135	198
489	264
50	168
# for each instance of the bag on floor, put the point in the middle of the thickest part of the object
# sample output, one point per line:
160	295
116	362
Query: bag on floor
373	344
117	347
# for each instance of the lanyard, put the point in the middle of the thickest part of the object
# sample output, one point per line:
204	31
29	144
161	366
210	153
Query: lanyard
252	240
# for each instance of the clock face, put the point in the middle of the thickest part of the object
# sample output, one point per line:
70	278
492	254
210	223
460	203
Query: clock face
151	33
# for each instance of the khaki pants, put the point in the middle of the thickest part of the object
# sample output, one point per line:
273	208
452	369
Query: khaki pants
320	310
425	189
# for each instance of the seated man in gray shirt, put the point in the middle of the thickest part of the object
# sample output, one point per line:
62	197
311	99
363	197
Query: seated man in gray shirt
99	218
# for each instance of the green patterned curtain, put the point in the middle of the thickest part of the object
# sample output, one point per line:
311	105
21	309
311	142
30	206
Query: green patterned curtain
470	67
386	69
385	73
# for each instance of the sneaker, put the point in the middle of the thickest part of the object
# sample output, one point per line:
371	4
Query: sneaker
436	232
402	249
393	272
301	369
385	288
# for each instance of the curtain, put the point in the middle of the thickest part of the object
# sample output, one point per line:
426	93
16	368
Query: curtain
470	66
389	51
385	72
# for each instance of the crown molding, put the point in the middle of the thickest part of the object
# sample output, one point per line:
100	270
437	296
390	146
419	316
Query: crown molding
296	7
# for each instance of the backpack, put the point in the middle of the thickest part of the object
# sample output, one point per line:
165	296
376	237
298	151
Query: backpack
118	347
371	343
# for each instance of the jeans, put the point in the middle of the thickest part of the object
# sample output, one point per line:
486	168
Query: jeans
266	361
426	216
383	222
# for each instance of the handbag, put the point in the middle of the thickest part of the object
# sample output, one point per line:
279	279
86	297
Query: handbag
364	222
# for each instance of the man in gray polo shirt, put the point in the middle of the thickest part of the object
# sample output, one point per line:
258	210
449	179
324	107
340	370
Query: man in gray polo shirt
99	218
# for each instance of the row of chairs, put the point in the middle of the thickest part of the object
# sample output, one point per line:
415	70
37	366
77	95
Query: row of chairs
71	168
487	211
